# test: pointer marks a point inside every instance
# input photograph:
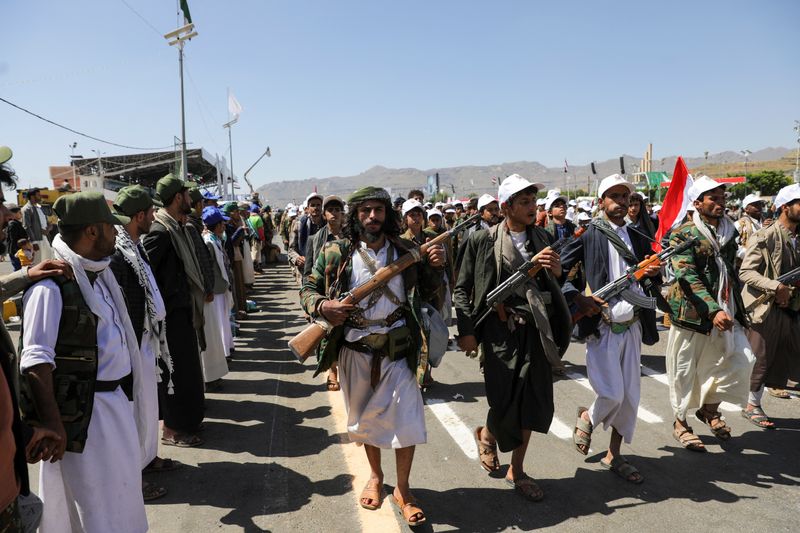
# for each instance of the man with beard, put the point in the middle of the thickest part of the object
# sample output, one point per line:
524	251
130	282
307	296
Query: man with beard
146	311
333	211
750	222
306	227
615	334
78	332
378	341
194	227
177	271
709	359
775	331
521	338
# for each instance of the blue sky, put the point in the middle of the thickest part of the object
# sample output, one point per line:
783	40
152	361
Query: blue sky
335	87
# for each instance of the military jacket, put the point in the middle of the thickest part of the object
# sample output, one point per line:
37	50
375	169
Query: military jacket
330	279
693	295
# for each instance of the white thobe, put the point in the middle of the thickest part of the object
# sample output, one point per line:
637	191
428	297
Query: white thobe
391	415
613	361
98	490
248	271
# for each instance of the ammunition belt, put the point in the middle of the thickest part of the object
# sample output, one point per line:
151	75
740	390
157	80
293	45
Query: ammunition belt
620	327
356	319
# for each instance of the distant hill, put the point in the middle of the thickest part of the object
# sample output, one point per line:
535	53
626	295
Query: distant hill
477	179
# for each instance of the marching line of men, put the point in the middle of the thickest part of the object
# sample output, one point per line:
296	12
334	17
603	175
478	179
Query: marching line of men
728	341
128	325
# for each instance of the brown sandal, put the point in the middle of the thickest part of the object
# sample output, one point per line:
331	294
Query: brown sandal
721	430
409	509
371	492
487	452
688	440
526	487
333	385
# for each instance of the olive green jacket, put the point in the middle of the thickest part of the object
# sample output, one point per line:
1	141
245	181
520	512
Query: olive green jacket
330	279
693	295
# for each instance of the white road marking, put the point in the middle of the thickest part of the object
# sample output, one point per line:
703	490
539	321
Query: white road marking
454	426
560	429
643	414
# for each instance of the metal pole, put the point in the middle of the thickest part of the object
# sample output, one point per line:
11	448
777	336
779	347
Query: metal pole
184	161
230	150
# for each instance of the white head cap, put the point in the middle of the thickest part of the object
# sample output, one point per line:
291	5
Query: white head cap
751	199
550	200
434	213
612	181
512	185
584	217
485	200
586	206
313	195
411	203
573	203
292	211
702	185
656	208
450	210
541	201
786	195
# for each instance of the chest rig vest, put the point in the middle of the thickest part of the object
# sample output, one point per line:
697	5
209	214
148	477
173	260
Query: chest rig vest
75	375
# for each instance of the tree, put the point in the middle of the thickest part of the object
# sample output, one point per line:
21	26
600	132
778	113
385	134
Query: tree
767	182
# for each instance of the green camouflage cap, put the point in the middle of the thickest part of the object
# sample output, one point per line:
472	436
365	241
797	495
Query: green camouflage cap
5	154
369	193
168	186
83	208
230	207
195	195
132	199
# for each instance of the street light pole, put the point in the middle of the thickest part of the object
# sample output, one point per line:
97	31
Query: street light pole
746	154
797	157
179	37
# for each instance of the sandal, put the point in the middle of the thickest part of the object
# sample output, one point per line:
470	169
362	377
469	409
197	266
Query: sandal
333	385
409	509
371	492
151	491
585	427
487	452
779	393
526	487
687	439
182	441
720	429
621	467
167	465
758	417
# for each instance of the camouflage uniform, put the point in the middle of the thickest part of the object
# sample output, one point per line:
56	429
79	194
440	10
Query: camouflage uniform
330	279
705	366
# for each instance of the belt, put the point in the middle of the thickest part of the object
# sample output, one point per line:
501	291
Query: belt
378	345
621	327
110	386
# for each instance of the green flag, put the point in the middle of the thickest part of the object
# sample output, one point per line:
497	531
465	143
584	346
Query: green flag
185	8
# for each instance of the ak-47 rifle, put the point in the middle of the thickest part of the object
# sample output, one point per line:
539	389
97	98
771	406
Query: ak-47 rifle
526	271
621	285
305	343
790	279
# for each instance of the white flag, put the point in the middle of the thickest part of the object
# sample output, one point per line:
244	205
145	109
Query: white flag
234	107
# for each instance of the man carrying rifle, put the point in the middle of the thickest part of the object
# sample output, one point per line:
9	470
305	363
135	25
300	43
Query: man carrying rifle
614	329
774	335
521	338
708	356
378	341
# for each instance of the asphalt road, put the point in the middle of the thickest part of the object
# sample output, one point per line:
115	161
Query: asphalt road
277	457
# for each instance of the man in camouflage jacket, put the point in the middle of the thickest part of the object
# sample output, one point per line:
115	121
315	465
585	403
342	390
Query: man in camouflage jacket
709	359
378	343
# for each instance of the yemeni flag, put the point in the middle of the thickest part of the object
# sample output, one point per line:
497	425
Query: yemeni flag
186	15
675	202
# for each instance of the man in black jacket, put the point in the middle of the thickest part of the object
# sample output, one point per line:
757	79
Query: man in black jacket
614	344
14	232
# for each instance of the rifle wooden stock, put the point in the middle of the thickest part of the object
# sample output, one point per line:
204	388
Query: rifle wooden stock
305	343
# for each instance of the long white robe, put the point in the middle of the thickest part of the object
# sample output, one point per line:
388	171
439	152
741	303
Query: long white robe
213	357
98	490
392	415
248	271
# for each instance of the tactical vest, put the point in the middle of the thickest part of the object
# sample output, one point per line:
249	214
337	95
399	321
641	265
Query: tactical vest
75	373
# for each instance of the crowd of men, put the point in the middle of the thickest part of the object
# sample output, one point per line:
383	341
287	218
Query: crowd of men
733	325
126	325
131	319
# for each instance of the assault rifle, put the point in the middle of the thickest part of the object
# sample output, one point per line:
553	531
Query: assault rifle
621	285
305	343
526	271
790	279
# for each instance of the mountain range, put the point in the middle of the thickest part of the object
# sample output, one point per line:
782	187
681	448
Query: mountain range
464	180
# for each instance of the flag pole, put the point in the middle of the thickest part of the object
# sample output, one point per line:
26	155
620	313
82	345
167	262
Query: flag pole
184	161
179	37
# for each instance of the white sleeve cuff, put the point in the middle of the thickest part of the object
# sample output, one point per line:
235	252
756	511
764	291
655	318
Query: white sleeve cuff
36	355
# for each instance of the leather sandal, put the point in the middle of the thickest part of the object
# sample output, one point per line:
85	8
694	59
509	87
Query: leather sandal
621	467
487	452
526	486
758	417
409	509
687	439
372	492
721	430
586	427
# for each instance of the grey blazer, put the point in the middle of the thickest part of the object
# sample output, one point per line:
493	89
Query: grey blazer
31	221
